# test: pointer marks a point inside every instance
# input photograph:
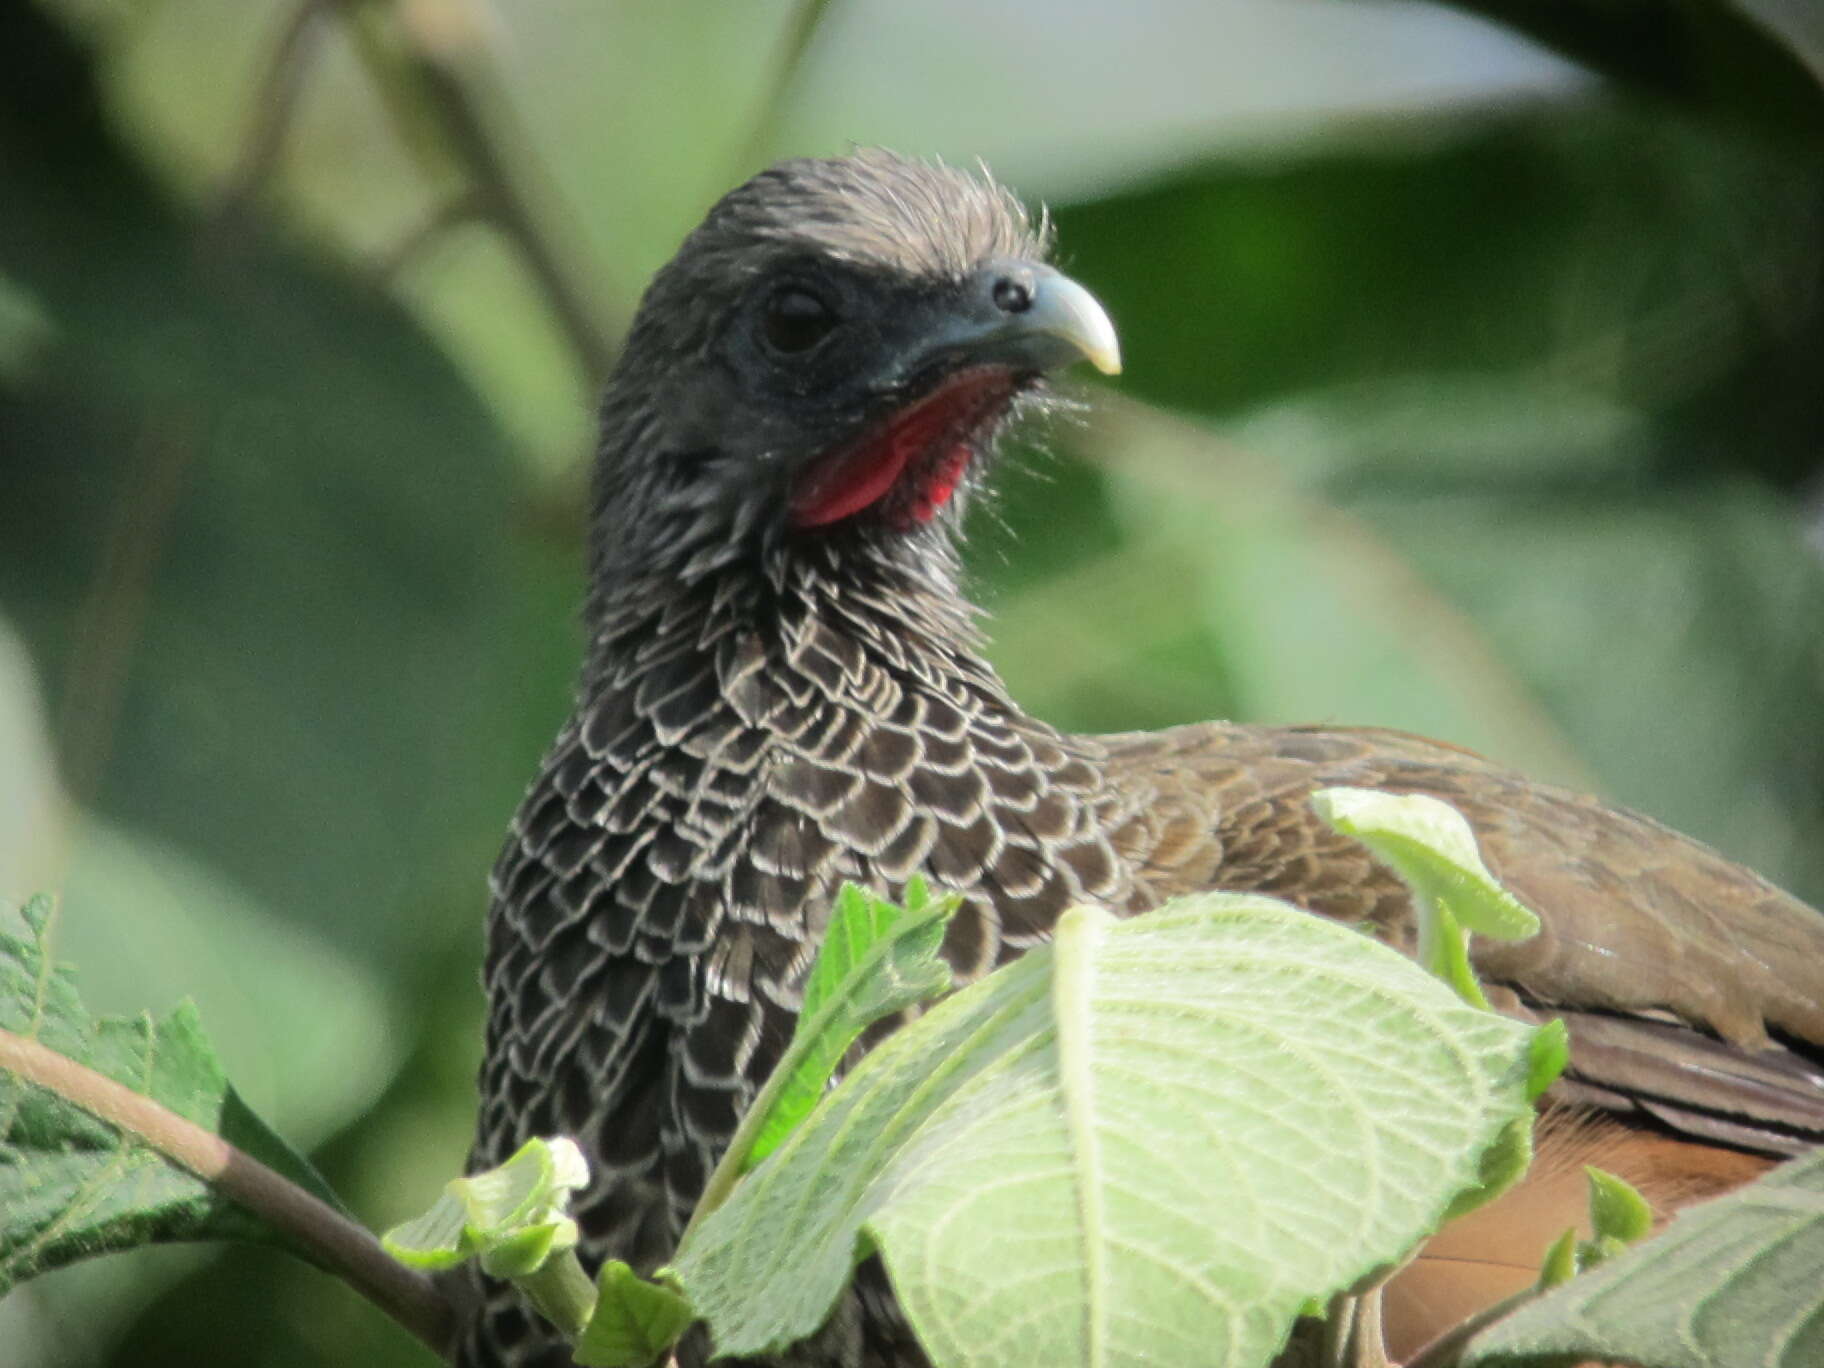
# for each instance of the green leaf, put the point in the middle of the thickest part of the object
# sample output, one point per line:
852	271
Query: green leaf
437	1240
1428	844
1173	1132
1504	1163
525	1251
1617	1210
532	1187
1551	1052
71	1185
1432	848
1729	1284
1760	58
515	1216
1560	1263
1443	948
634	1322
875	960
514	1219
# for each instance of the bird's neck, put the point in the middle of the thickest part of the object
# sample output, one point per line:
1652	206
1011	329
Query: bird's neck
904	615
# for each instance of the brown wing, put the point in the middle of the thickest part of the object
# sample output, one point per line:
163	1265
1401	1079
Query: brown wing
1669	963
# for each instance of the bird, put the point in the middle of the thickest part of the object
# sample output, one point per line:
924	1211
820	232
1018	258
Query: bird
784	687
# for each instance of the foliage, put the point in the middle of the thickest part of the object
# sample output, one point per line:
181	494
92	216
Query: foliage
1517	413
1731	1282
512	1216
1429	845
1150	1139
1095	1127
634	1321
73	1186
877	958
1033	1158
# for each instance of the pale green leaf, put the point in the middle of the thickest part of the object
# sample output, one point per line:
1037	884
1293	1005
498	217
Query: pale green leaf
522	1252
1431	847
514	1216
436	1240
1154	1141
1429	844
1503	1164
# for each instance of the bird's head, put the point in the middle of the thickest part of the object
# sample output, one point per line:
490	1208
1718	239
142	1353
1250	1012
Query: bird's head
823	366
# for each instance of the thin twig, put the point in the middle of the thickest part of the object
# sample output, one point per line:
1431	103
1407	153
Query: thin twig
447	88
476	128
275	101
112	617
452	213
341	1246
807	19
503	196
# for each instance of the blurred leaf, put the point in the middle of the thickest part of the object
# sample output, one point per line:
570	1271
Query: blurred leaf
31	805
149	925
1762	59
1573	427
1688	265
263	544
1307	613
1687	597
255	540
1729	1284
73	1186
153	925
1117	93
1472	590
624	167
1102	1053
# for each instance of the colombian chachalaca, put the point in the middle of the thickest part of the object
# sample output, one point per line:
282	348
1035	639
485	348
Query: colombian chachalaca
784	688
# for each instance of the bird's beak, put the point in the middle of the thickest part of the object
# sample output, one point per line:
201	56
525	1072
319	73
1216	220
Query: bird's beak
1031	317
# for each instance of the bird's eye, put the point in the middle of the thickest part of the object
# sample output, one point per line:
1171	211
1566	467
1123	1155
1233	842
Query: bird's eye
797	320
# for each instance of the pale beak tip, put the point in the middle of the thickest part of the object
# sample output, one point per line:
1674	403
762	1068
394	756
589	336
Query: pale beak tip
1072	312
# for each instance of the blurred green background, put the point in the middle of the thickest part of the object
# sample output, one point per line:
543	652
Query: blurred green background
1471	389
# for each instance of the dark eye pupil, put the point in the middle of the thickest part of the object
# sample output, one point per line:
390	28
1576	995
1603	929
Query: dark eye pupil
796	320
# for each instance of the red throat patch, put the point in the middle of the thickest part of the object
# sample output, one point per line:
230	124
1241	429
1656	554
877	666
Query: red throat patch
919	455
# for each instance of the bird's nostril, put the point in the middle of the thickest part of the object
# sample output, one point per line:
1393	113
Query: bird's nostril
1012	296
